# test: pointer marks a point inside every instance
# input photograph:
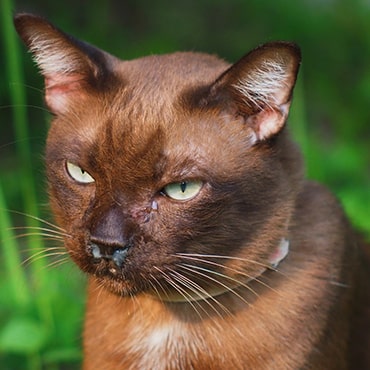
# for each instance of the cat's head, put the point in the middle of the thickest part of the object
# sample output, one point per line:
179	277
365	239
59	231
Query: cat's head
170	174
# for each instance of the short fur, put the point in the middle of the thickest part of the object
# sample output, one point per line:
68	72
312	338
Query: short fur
191	284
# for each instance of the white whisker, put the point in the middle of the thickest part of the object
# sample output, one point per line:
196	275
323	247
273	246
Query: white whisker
42	229
200	292
39	219
154	287
226	258
57	263
197	269
215	256
187	297
43	235
44	254
239	272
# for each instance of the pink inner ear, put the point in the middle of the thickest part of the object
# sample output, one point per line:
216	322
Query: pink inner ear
63	89
269	121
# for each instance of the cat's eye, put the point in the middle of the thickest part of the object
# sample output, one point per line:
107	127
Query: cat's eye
78	174
183	190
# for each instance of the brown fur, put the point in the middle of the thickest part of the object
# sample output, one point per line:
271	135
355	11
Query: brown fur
195	289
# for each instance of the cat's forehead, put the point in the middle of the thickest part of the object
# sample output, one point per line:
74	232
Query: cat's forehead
172	71
146	94
149	97
156	82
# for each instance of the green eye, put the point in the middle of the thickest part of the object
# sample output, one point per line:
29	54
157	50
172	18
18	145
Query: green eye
78	174
184	190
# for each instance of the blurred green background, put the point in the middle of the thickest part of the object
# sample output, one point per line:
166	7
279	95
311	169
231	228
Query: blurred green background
41	305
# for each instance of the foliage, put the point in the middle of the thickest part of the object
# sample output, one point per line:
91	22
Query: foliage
329	118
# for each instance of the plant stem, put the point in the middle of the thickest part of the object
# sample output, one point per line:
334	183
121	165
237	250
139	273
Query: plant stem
12	260
14	71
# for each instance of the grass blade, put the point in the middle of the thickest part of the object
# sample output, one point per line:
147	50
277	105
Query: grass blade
17	93
14	72
11	258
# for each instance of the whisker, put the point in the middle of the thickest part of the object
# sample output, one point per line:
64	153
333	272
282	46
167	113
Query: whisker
99	289
239	272
57	263
27	86
172	282
38	219
227	258
44	235
266	266
154	286
56	232
201	292
40	256
194	269
159	284
45	253
182	292
42	249
8	106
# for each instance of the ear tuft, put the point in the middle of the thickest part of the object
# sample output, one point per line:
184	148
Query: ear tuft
265	86
53	50
69	66
259	87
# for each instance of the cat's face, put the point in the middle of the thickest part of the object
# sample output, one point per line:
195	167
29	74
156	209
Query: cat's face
169	174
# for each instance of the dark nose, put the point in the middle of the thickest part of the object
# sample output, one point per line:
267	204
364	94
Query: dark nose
107	237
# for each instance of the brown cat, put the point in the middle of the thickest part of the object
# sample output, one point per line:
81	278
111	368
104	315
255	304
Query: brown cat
184	200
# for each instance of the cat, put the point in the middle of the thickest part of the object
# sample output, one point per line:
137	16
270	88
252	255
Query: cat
183	198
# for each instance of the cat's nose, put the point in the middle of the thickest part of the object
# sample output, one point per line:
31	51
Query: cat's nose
107	237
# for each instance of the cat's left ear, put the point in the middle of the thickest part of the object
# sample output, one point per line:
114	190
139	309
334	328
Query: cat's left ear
259	87
72	69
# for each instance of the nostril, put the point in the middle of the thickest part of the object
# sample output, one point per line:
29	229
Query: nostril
115	254
95	251
119	256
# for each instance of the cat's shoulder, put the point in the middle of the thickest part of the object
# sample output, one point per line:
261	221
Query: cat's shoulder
320	214
317	199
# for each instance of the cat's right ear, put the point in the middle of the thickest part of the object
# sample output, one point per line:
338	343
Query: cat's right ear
71	68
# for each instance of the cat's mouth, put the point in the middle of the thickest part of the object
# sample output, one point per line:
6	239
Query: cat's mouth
107	260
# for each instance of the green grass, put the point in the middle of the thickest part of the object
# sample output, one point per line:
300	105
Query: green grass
32	325
41	306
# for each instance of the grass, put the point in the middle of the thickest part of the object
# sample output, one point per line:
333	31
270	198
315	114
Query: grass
31	334
45	304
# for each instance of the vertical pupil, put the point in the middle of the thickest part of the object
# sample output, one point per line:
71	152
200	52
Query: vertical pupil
183	186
